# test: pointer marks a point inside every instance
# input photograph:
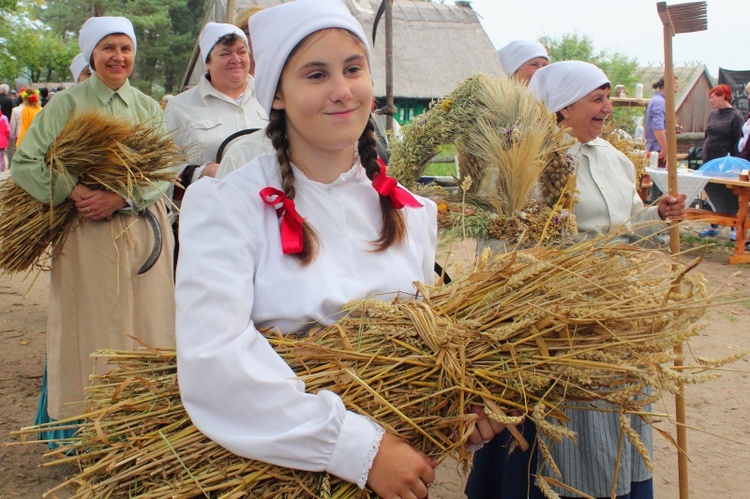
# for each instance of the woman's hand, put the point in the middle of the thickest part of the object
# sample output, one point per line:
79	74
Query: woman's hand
400	471
672	208
210	170
484	429
96	204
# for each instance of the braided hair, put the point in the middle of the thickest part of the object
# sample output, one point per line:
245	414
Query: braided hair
276	131
394	225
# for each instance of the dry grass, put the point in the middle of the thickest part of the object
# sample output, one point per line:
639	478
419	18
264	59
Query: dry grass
102	152
523	331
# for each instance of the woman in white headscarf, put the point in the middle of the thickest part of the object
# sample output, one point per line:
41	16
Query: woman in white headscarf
97	299
222	103
249	259
579	93
79	68
520	59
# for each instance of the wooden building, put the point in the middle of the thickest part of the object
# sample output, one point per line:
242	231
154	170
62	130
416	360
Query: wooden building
691	102
435	47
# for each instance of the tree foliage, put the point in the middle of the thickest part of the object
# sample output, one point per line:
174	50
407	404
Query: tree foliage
42	38
166	31
29	49
619	68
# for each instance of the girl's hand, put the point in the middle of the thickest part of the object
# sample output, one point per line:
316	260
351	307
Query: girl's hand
399	471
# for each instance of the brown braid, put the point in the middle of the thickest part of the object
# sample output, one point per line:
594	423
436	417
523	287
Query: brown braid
394	225
276	131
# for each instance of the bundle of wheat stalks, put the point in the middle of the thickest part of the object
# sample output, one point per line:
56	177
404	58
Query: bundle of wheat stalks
523	332
513	167
104	152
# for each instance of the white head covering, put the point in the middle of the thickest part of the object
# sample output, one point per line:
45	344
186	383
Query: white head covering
77	66
211	34
563	83
277	30
96	28
518	52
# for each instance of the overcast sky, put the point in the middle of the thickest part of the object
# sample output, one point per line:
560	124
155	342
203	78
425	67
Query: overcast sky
629	26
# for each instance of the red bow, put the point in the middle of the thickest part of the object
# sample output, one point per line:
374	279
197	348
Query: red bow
387	186
292	239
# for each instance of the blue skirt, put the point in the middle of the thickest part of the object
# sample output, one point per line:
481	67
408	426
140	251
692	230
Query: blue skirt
497	474
52	436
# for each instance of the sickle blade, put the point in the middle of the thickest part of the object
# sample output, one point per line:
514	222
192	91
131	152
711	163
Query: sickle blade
156	251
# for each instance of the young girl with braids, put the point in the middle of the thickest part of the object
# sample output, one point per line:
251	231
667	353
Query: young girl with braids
285	242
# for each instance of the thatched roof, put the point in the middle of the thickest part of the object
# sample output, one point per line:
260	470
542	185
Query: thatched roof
435	46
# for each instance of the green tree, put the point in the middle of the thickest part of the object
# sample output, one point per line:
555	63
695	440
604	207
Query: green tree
29	49
166	31
619	68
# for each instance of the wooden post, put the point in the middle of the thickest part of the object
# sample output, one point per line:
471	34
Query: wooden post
389	65
674	237
230	12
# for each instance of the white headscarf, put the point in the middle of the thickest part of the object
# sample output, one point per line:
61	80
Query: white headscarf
211	34
77	66
277	30
96	28
518	52
563	83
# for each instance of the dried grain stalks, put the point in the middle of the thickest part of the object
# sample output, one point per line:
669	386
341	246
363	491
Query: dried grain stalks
524	332
522	182
617	137
100	152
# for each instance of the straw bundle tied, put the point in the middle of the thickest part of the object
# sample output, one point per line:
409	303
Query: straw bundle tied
516	180
523	332
104	152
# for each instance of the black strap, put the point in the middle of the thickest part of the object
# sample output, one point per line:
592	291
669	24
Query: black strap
220	152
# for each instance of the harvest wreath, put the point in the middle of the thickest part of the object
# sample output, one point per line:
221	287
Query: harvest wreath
516	182
524	331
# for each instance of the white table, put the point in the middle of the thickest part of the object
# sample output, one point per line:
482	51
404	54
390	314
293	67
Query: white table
688	183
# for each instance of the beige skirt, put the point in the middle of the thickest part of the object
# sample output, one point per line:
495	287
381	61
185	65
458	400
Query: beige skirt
97	301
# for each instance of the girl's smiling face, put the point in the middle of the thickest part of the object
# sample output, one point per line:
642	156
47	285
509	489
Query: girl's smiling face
586	116
326	91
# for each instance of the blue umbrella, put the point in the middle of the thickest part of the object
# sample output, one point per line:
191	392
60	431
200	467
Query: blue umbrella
725	167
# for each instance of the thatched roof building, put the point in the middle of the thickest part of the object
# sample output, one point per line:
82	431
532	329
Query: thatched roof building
435	46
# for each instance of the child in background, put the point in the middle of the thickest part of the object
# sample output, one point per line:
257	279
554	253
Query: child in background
4	139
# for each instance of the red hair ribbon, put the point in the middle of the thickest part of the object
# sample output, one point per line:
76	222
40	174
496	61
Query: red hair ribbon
387	186
292	239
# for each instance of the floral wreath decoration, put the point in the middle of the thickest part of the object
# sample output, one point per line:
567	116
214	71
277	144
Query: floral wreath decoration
516	182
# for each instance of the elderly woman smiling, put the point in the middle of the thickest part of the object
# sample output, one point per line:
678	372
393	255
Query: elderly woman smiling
97	298
222	103
579	93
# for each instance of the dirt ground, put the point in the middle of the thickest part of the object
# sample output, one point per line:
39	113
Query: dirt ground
718	435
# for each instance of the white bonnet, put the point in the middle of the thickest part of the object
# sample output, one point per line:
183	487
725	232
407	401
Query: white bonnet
77	66
211	34
518	52
277	30
563	83
96	28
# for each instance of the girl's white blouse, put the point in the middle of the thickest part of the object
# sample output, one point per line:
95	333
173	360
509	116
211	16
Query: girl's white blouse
233	278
